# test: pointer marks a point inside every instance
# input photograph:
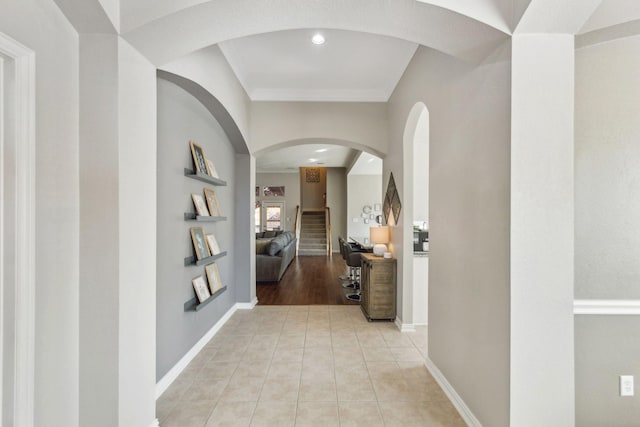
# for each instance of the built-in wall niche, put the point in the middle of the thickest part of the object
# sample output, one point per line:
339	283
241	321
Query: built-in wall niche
391	206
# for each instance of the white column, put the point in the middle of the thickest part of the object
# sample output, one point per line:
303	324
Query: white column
542	365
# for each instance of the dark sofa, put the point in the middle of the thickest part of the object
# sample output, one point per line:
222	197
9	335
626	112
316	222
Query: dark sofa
273	255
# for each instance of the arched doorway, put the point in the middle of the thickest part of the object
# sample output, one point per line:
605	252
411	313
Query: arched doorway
416	213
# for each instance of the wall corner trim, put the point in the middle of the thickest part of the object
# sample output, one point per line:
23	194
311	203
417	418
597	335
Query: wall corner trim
170	377
404	327
247	305
626	307
451	393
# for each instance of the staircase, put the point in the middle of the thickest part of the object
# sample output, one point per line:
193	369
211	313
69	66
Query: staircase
313	234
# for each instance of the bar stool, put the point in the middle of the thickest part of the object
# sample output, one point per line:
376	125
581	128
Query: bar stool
353	261
341	243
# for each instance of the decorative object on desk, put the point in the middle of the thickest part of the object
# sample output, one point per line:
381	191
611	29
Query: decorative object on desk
198	202
211	169
198	157
212	202
387	255
202	291
214	247
213	275
273	191
199	243
377	207
379	236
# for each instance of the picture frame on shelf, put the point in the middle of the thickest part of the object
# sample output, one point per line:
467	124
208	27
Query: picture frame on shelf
201	288
211	169
198	202
199	243
214	247
213	275
199	160
212	202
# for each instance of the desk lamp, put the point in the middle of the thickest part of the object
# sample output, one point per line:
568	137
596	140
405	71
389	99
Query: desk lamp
379	236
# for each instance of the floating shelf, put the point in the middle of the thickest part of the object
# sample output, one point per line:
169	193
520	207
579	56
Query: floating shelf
190	216
203	177
191	260
193	305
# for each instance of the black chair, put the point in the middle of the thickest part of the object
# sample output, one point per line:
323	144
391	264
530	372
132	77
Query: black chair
341	243
353	261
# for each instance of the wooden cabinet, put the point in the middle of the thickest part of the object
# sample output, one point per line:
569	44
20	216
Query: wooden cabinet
378	287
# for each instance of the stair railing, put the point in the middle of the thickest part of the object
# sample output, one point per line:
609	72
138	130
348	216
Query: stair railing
296	228
327	220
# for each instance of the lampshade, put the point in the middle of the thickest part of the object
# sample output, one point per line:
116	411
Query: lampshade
379	234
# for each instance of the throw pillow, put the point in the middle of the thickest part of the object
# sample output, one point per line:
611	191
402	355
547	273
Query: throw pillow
261	246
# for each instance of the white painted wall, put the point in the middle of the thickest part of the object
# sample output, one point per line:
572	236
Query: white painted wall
209	68
357	125
542	225
362	190
469	110
137	232
41	27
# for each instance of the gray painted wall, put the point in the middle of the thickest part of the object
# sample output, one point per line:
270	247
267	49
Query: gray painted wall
469	287
606	347
607	231
182	118
291	182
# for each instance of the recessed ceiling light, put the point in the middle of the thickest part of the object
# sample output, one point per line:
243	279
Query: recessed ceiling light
317	39
313	160
322	150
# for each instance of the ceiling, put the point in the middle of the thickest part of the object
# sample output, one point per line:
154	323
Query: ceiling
349	66
287	66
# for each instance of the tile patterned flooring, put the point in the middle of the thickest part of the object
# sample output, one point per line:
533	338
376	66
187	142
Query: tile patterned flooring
313	365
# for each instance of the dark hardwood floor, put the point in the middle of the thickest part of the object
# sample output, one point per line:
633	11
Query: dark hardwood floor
308	280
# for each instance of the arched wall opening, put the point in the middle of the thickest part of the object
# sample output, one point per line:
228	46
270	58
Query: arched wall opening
415	212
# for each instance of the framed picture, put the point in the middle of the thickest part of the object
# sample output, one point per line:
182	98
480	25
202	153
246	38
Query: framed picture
377	207
213	244
273	191
199	243
366	220
395	206
201	288
198	157
372	216
213	275
212	202
198	202
257	191
211	169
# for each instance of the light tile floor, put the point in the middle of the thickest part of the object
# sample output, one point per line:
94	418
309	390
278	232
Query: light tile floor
308	366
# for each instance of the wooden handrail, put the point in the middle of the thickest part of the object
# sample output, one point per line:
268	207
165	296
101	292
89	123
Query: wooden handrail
296	228
328	223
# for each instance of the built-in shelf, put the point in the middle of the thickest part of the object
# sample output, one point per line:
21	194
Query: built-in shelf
190	216
194	305
203	177
191	260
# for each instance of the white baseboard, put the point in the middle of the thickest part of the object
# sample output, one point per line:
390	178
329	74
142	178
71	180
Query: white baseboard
155	423
170	377
247	305
451	393
404	327
607	307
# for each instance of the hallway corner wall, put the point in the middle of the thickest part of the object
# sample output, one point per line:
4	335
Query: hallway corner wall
469	108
